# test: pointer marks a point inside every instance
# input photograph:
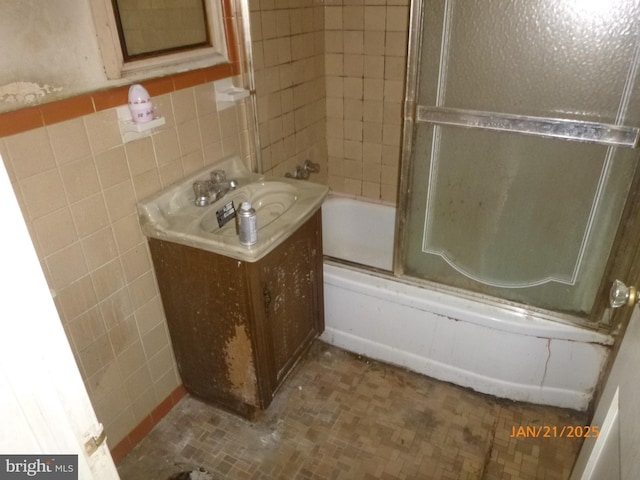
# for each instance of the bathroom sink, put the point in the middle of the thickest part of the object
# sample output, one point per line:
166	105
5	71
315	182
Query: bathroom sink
282	205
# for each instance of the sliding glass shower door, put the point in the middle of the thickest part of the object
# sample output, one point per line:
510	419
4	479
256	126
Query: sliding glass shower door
523	145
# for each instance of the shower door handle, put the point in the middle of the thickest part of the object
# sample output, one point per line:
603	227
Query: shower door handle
621	295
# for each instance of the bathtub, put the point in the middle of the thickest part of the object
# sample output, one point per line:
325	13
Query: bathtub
492	349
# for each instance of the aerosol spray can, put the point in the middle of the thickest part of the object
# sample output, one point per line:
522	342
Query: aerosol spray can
247	224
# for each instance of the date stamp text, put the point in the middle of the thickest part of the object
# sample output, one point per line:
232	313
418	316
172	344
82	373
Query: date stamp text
555	431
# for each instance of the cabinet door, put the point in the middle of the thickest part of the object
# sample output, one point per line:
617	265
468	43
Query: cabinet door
291	281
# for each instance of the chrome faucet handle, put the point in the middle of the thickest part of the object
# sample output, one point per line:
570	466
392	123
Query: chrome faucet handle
218	176
203	190
311	167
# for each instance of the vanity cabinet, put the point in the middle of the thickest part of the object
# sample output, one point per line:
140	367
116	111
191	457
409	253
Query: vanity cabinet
238	328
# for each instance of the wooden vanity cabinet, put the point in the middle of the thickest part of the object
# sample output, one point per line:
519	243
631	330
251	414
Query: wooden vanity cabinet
238	328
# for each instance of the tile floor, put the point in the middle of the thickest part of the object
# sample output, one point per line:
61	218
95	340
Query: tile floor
340	416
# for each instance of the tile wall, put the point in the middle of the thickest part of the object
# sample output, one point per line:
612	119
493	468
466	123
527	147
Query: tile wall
365	58
288	52
329	79
78	186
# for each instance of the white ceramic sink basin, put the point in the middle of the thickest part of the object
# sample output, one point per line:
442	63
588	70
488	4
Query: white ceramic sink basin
281	204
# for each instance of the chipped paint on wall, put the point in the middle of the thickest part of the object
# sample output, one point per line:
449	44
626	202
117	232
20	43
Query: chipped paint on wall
23	93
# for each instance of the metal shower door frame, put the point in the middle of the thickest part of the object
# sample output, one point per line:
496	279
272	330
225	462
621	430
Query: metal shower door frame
625	247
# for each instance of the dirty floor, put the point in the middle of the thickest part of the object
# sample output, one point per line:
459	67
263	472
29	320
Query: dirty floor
340	416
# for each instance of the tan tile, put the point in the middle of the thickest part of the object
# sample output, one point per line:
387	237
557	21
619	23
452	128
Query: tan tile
69	140
161	363
143	404
353	18
99	248
269	25
136	262
372	152
80	179
115	308
131	358
374	17
352	150
170	172
354	42
397	19
184	105
104	381
335	128
30	153
391	155
90	215
103	130
142	290
127	232
166	146
213	153
352	187
391	134
209	129
120	200
166	384
283	23
353	65
155	340
55	230
43	193
354	88
120	427
77	298
396	44
371	171
393	90
393	113
353	130
189	136
374	43
107	279
334	42
333	18
86	328
334	64
389	174
138	382
270	52
373	89
205	99
147	183
112	167
140	156
373	66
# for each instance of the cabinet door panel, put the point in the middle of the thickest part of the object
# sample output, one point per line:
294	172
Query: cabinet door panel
291	297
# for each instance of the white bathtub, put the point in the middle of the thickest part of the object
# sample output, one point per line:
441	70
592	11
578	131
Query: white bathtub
500	351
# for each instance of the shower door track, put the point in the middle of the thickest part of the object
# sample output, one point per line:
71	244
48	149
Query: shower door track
575	130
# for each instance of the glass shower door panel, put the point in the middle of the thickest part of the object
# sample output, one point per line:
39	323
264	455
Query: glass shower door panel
546	58
523	218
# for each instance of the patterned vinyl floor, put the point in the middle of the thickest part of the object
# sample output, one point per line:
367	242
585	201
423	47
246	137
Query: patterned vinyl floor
340	416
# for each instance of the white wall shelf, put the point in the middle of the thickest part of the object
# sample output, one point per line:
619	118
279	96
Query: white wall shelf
130	130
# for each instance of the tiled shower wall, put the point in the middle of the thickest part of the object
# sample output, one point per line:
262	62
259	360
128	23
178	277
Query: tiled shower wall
78	186
365	58
288	53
